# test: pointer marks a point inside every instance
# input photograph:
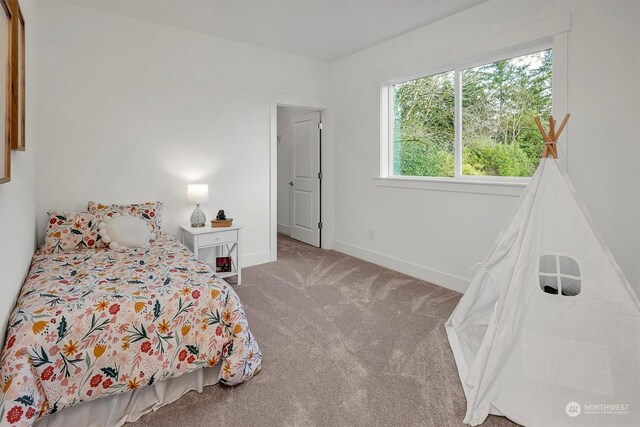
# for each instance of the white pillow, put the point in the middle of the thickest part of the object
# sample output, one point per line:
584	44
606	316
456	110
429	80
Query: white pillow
124	231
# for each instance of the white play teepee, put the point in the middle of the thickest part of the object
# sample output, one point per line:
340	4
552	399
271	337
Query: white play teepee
548	332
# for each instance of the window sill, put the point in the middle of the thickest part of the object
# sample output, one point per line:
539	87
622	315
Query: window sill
478	186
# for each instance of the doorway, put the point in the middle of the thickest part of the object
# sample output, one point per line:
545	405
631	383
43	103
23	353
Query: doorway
299	181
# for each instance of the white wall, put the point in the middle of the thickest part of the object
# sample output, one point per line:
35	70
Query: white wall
285	134
18	197
129	111
133	111
439	235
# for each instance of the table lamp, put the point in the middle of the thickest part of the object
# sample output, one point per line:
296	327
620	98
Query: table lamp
196	194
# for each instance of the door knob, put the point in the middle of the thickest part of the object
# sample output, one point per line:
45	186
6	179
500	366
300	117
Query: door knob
291	183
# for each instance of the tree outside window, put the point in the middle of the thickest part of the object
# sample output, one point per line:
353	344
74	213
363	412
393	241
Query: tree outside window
497	105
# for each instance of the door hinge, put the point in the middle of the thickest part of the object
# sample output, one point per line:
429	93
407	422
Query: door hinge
320	225
320	125
319	175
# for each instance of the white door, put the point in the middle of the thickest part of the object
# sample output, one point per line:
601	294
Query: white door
305	181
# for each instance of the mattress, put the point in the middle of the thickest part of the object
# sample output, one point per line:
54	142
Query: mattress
96	323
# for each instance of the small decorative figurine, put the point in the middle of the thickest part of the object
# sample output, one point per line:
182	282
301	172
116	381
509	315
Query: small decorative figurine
221	220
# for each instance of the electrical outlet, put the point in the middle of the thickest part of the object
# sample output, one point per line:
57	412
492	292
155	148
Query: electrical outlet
371	234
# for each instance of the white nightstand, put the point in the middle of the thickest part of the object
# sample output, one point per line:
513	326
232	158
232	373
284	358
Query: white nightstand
225	240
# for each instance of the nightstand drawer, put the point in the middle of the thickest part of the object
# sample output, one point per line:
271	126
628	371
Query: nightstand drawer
217	238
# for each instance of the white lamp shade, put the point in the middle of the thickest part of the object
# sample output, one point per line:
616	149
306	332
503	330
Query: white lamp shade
197	193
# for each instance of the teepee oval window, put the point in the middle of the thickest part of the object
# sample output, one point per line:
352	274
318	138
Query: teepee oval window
559	275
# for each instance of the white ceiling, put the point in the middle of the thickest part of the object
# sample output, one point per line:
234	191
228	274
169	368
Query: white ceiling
323	29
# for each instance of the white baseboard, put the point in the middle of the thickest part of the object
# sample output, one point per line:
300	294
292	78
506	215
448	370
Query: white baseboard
421	272
284	229
255	259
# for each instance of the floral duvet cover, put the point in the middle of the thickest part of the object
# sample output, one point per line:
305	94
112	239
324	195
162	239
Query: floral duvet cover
93	323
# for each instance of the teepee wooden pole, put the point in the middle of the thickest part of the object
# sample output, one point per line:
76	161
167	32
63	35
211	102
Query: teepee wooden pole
541	129
562	125
551	138
545	138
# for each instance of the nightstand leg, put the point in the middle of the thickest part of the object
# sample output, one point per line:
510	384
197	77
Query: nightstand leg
238	259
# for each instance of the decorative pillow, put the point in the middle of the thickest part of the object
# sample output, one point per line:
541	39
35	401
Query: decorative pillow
71	231
149	211
124	231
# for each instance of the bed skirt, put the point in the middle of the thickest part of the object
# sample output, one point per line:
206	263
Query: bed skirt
127	407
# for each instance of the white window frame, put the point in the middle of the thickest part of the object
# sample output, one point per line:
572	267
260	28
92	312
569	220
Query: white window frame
559	275
507	186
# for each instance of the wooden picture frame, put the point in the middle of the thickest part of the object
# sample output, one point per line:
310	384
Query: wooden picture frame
18	143
6	82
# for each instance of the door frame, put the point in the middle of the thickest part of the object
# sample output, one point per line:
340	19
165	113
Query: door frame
326	166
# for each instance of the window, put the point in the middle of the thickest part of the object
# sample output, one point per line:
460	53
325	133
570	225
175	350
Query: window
475	121
559	275
423	126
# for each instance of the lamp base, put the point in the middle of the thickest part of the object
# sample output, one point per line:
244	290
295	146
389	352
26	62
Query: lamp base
198	218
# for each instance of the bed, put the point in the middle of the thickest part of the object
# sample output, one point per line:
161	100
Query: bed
133	328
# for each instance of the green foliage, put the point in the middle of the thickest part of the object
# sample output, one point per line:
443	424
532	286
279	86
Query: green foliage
483	157
421	158
424	111
499	134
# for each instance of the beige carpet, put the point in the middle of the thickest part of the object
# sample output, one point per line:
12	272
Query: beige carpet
345	343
